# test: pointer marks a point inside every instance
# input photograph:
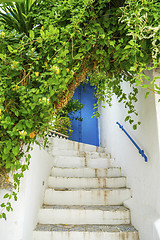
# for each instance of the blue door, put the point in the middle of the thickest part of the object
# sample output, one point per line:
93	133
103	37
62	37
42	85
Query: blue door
85	131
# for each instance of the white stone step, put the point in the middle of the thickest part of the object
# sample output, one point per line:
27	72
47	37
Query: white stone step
86	196
99	162
97	154
56	143
84	215
79	162
65	152
67	183
85	232
86	172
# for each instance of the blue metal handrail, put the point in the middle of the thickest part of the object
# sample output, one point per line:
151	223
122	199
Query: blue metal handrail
140	150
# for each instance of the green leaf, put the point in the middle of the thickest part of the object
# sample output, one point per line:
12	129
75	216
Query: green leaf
135	126
138	82
15	150
6	150
127	47
131	121
110	50
133	68
31	34
8	164
132	42
8	208
6	195
127	118
3	205
107	63
2	56
78	56
10	48
112	43
29	124
147	94
4	216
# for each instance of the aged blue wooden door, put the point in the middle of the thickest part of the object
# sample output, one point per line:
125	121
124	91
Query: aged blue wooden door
85	131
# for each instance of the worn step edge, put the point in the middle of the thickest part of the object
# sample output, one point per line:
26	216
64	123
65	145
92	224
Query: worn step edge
84	215
79	162
84	207
86	228
86	196
75	182
72	235
92	154
86	172
86	189
69	144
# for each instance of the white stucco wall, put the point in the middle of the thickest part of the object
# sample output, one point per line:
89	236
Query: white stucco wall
21	222
156	74
143	178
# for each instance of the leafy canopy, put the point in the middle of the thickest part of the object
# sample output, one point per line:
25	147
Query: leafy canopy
16	15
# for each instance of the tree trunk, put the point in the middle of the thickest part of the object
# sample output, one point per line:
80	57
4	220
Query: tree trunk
68	94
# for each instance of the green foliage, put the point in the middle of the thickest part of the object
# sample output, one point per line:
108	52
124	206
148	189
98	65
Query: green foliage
62	122
16	15
142	24
52	44
6	1
62	125
70	109
25	102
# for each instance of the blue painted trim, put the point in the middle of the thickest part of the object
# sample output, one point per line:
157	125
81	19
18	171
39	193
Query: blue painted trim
140	150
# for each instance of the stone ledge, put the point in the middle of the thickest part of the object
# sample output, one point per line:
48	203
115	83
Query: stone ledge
85	228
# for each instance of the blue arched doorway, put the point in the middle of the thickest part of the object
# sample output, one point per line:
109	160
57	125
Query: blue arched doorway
85	131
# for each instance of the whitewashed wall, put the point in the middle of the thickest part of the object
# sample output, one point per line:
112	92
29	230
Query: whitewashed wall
21	222
143	178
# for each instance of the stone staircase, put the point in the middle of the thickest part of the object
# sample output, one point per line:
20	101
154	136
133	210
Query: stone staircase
85	195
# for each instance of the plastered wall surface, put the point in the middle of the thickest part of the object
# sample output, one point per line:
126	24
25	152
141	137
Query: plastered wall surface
21	222
143	178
